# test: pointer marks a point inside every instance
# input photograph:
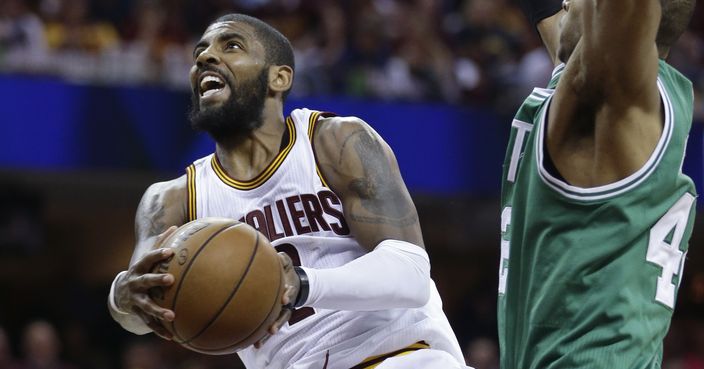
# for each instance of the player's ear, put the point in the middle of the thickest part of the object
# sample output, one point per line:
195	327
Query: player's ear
280	78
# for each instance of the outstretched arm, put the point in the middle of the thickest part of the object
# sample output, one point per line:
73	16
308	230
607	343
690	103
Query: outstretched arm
604	118
162	207
618	47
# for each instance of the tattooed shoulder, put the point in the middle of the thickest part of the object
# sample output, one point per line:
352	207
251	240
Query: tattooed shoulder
161	207
374	179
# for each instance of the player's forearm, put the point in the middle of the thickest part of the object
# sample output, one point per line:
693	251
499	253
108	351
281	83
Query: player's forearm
624	20
395	274
624	9
619	41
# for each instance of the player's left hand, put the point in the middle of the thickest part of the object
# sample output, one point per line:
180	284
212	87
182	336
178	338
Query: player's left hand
291	287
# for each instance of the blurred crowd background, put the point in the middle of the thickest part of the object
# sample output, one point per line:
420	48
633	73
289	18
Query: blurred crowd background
457	52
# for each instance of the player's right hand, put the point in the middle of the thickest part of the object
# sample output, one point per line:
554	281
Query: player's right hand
291	286
132	290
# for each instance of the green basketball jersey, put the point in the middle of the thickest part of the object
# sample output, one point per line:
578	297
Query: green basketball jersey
588	276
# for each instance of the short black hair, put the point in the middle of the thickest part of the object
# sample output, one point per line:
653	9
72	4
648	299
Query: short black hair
676	15
278	48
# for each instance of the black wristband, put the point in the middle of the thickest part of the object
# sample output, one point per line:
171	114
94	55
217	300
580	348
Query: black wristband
303	289
537	10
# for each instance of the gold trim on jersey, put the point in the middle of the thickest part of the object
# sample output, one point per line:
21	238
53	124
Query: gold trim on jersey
312	124
191	179
266	173
374	361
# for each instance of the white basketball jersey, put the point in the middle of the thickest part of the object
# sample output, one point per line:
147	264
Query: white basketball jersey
291	205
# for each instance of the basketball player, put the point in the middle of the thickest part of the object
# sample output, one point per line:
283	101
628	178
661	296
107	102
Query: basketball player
326	191
597	214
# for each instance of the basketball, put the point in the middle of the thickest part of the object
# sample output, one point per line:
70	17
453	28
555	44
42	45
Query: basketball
228	284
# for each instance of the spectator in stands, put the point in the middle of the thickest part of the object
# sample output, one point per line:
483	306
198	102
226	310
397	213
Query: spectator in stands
420	67
489	33
75	40
143	354
41	347
22	44
318	36
75	30
367	52
478	52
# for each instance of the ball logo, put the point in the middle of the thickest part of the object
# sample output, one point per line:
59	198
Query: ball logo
189	230
182	256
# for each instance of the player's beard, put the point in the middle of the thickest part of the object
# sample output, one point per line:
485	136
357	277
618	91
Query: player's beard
238	116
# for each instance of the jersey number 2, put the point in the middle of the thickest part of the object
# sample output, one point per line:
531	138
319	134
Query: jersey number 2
667	254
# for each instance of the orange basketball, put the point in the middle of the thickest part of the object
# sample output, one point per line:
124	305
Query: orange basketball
227	289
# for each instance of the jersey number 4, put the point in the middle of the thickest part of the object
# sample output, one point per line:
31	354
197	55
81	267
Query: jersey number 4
664	251
664	248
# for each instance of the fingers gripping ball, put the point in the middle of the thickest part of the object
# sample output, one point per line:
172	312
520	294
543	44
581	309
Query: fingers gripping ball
228	285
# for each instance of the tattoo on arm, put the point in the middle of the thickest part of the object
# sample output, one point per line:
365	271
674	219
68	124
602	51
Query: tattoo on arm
150	221
378	192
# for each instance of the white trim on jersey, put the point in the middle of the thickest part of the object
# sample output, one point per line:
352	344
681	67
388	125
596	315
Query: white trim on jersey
558	69
540	94
556	72
613	189
543	92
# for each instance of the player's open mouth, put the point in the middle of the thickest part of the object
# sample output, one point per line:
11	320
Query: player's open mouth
211	84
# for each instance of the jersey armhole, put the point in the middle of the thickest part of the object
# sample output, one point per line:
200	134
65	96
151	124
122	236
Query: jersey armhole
556	182
548	163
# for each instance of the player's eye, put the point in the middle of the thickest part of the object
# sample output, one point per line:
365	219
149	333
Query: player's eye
232	45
